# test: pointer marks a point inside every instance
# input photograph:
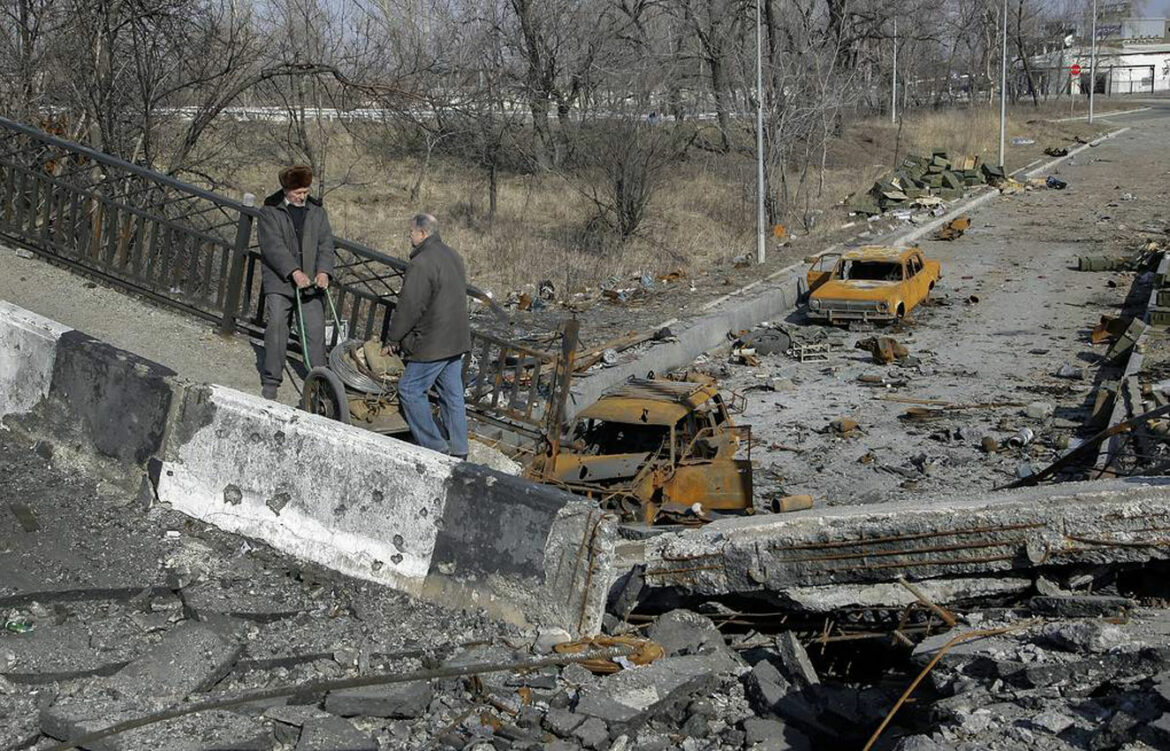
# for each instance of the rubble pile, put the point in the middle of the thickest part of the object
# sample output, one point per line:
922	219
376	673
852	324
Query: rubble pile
925	182
1095	677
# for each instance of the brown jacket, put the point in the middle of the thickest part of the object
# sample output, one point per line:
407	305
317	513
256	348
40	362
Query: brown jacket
430	317
278	244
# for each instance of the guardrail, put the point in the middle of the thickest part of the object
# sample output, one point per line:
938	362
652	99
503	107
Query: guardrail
195	251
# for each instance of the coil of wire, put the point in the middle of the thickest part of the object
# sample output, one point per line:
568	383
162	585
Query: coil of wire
354	378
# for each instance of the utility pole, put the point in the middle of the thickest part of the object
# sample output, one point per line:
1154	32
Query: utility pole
894	85
761	250
1003	90
1093	64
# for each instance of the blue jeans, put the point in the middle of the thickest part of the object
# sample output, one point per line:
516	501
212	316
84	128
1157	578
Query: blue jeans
447	378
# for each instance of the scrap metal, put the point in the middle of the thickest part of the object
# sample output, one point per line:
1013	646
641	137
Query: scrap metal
654	449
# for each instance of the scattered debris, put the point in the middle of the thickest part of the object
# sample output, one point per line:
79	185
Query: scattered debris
1056	151
791	503
954	229
884	349
1055	183
639	652
844	426
922	182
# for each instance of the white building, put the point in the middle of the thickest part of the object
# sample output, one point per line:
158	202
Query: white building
1133	57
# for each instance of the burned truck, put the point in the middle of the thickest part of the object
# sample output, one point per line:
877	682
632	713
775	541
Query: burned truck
657	451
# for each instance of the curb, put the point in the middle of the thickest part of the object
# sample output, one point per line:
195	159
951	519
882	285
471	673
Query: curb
365	505
1102	116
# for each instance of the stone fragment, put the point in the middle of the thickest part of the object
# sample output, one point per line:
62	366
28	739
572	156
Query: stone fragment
1052	721
1039	410
765	687
1162	687
562	722
288	719
1083	636
547	638
576	674
1161	728
1079	606
334	734
593	733
773	735
683	632
402	701
919	743
793	656
191	657
628	699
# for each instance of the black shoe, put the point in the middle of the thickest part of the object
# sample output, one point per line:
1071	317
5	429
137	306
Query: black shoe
268	391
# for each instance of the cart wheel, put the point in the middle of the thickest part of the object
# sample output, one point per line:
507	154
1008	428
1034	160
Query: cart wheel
324	394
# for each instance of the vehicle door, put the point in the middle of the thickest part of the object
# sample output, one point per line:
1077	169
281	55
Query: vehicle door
916	281
821	269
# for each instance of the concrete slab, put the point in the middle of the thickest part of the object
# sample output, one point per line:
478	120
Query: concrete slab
192	657
994	535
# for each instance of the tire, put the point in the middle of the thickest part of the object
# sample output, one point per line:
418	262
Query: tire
323	394
770	342
901	313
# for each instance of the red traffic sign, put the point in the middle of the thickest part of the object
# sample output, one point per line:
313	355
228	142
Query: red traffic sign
1075	69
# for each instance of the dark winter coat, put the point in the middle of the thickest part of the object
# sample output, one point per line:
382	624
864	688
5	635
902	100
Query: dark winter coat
279	248
430	319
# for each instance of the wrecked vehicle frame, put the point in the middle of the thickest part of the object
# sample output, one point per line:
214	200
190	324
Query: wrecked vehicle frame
654	449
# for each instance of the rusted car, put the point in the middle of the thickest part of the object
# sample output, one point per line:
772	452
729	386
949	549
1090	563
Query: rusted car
653	449
871	283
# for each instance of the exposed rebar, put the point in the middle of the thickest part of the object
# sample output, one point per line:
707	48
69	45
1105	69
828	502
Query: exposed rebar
316	687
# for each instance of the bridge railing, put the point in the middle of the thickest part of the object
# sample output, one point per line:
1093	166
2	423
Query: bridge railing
196	251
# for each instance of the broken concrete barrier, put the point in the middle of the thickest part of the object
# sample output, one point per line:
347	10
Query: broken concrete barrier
999	538
366	505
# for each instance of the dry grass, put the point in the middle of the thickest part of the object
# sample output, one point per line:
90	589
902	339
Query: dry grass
702	214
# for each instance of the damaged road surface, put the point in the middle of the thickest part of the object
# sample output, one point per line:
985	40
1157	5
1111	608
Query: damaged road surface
913	607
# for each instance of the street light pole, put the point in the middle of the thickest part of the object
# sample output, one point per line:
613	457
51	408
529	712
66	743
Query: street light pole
1003	90
761	251
1093	63
894	86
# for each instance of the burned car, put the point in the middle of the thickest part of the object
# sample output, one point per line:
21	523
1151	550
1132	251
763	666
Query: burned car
656	450
872	283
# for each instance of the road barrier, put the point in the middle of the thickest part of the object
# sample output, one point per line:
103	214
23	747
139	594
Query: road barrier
363	504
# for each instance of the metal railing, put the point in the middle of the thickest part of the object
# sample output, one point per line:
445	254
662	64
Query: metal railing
196	251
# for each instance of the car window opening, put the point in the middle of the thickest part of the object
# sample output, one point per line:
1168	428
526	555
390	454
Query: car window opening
619	438
872	271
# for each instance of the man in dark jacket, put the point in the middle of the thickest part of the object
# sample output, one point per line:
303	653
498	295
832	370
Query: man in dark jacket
296	245
430	330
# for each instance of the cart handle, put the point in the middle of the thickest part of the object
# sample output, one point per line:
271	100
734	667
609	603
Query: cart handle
301	323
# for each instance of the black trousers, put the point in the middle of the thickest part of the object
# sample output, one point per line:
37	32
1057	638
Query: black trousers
281	313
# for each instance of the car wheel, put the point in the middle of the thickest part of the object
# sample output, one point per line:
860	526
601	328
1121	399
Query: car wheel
901	313
769	342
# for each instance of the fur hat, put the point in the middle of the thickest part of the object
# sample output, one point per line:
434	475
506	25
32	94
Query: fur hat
296	177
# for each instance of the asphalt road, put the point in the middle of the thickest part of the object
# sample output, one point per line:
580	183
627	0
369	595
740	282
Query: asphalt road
1016	311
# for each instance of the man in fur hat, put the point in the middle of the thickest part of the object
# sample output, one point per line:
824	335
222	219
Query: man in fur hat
296	245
